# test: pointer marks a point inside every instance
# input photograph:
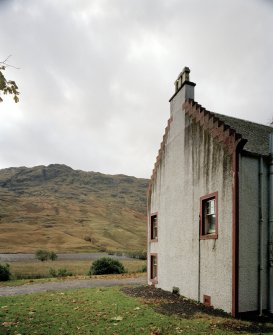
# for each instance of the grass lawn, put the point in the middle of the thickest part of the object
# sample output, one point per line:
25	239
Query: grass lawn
101	311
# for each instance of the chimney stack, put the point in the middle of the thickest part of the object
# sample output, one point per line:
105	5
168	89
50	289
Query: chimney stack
184	88
182	78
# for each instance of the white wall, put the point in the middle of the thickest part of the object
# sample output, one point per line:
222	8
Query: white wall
193	165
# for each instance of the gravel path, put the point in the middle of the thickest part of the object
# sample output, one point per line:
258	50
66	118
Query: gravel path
68	284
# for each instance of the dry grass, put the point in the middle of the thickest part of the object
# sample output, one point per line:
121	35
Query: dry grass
37	269
57	208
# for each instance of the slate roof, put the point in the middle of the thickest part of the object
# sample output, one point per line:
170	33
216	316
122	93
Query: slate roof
257	135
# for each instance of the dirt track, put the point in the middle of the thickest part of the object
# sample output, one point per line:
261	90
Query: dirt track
68	284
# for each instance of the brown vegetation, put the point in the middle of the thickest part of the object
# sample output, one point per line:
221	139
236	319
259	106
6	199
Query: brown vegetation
58	208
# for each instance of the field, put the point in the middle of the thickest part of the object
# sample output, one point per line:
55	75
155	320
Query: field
108	311
29	269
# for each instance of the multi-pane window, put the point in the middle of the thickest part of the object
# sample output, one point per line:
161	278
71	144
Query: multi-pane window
209	216
154	226
153	267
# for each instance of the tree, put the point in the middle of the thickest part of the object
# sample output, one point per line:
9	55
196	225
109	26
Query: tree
7	86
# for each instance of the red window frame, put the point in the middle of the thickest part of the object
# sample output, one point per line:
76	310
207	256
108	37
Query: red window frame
203	200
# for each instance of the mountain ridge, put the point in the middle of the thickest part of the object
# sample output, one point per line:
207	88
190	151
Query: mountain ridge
56	207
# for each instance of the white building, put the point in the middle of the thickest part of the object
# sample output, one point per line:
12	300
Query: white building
209	213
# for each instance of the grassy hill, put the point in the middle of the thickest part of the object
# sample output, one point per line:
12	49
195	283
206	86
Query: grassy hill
62	209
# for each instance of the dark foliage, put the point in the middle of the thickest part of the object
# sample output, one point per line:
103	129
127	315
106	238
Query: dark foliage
44	255
4	272
106	265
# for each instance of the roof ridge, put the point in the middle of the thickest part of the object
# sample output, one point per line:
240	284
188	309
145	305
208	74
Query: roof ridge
237	118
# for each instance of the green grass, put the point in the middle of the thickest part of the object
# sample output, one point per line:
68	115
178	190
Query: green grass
20	282
98	311
92	311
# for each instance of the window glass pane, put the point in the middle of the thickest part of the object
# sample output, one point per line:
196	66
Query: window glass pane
153	267
209	216
154	227
211	227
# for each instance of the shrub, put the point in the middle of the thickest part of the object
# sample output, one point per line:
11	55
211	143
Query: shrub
64	273
175	290
42	255
4	272
53	272
60	272
52	255
106	265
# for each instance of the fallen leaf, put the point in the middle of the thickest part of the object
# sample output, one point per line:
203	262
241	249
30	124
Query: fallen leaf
6	324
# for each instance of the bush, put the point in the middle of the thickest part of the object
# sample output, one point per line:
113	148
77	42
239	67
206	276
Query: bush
106	265
4	272
53	272
41	255
52	255
44	255
60	273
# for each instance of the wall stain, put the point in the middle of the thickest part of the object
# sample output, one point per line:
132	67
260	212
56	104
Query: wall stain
205	158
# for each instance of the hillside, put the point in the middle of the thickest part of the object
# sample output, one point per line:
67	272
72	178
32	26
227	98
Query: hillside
62	209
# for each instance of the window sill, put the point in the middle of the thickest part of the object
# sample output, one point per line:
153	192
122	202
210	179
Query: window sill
154	281
209	237
154	240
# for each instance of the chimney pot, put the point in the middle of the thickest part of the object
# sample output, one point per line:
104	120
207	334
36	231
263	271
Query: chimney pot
183	76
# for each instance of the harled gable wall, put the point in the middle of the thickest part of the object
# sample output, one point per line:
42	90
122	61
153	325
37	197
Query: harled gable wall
193	165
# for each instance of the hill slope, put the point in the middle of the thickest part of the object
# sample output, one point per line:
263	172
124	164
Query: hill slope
62	209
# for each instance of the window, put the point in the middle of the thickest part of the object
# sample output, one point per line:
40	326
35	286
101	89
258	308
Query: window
153	272
154	222
209	216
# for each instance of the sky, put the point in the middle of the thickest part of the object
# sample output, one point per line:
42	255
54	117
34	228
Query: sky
95	76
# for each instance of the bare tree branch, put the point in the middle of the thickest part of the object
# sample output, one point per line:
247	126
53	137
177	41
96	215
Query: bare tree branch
4	63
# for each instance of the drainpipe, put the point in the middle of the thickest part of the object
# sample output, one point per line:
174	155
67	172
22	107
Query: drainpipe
261	220
199	260
270	228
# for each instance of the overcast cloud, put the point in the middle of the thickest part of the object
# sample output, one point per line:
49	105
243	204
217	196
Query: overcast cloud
96	75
